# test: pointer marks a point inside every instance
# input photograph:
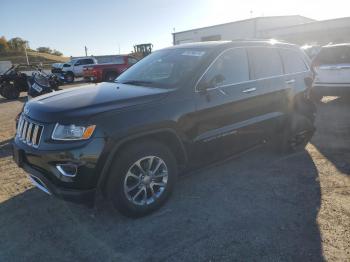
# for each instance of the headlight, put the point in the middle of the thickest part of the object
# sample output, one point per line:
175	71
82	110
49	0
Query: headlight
72	132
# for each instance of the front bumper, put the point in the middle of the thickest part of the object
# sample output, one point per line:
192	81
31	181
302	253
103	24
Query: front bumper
77	196
42	169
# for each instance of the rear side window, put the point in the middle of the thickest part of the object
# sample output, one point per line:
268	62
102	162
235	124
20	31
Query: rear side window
230	68
292	61
89	61
333	55
85	62
265	62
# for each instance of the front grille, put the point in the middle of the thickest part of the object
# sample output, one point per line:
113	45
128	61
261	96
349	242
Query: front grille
29	132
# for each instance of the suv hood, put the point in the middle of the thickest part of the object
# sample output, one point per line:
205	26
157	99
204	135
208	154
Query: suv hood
86	101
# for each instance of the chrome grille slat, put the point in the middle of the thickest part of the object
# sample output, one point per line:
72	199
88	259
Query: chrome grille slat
29	132
24	131
20	125
35	135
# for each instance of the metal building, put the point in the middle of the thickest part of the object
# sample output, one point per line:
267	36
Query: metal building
296	29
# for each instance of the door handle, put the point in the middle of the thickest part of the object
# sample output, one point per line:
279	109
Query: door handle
249	90
292	81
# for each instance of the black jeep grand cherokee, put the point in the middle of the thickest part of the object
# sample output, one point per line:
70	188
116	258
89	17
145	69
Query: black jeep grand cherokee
177	108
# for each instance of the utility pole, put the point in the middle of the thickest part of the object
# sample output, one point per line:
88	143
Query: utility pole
86	51
25	50
119	48
174	36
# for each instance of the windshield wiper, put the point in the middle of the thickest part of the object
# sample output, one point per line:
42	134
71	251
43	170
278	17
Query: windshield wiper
137	82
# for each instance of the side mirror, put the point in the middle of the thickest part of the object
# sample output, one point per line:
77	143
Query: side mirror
203	86
217	79
308	81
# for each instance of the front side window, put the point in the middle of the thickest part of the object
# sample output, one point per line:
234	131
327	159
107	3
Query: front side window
164	68
231	67
292	61
265	62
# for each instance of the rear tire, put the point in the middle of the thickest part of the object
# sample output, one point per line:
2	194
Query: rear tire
297	134
110	77
10	92
142	178
316	98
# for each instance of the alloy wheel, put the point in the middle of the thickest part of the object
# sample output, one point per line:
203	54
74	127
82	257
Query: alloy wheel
146	180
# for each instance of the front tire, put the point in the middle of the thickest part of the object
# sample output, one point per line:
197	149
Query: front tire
69	77
142	178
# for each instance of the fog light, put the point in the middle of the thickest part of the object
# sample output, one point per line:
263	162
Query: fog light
69	170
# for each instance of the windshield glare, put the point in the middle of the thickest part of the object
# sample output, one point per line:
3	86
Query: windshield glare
164	68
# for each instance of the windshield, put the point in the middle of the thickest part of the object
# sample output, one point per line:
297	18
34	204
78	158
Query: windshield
164	68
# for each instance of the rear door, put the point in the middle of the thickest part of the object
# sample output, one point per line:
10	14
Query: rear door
296	69
272	103
332	65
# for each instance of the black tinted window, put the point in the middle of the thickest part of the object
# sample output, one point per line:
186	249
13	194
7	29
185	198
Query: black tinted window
88	61
292	61
333	55
265	62
230	68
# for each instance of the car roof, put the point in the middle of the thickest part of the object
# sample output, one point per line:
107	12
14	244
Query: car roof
235	43
336	45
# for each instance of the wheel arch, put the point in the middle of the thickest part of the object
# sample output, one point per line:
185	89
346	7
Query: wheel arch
166	136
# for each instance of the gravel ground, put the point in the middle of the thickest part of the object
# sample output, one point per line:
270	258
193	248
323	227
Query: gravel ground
256	207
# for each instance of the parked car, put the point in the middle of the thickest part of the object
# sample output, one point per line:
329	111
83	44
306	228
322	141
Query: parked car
108	72
332	71
74	68
176	109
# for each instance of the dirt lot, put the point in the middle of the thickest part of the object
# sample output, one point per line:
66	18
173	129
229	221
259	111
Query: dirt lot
256	207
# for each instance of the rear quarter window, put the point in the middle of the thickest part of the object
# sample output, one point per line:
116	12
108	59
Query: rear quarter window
292	61
265	62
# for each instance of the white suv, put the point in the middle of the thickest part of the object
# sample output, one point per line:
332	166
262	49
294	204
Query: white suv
74	68
332	71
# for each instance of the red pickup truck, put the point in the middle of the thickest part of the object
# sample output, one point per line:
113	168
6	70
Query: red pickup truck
107	72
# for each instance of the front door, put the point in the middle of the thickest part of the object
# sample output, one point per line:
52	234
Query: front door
226	109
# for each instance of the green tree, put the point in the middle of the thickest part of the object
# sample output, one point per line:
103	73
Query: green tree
3	44
17	44
56	52
43	49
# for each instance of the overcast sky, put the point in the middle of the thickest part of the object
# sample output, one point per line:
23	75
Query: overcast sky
104	26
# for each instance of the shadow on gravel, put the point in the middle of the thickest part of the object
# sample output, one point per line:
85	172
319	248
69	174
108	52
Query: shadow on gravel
5	148
258	207
332	138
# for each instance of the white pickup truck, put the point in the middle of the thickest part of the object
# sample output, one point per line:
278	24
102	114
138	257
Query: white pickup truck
74	68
